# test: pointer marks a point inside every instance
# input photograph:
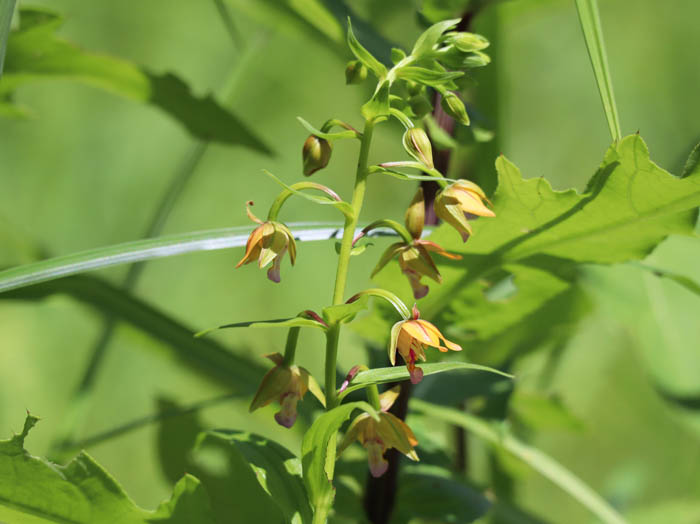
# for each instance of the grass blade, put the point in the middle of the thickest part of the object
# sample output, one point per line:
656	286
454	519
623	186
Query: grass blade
593	34
139	250
536	459
6	9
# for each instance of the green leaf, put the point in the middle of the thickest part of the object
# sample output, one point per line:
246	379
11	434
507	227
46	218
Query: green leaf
343	207
431	36
307	17
539	461
279	322
203	356
344	312
378	106
35	53
692	165
36	490
399	373
593	34
434	495
428	76
139	250
683	281
318	451
327	136
7	7
275	468
365	56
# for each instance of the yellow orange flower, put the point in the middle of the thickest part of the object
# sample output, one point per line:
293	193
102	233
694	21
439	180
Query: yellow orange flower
378	436
414	257
410	337
268	243
457	200
287	385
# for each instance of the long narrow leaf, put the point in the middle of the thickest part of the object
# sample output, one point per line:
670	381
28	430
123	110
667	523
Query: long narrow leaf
203	356
535	458
593	34
6	9
139	250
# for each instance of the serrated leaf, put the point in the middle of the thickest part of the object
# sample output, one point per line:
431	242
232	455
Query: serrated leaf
344	312
83	492
431	36
35	53
399	373
365	56
275	468
318	453
539	461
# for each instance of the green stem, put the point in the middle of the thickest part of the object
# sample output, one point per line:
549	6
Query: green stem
290	349
373	397
332	336
341	277
358	196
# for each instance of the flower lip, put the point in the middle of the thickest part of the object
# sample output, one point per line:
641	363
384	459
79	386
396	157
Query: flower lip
410	338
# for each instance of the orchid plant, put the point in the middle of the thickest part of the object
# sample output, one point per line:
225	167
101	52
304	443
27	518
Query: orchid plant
439	57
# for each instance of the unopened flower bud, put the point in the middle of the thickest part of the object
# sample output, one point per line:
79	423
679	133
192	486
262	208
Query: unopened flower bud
415	214
315	154
420	105
417	144
453	106
468	42
355	72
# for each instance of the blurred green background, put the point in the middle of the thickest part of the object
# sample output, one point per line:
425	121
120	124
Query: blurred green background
89	169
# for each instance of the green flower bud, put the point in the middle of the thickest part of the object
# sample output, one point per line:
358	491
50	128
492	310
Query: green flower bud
415	215
355	72
420	105
315	154
453	106
468	42
417	144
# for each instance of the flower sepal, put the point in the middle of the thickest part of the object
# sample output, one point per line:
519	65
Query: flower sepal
286	385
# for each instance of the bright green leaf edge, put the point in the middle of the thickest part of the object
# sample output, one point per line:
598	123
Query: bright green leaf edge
398	373
539	461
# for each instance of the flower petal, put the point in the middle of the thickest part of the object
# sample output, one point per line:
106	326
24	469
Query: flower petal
394	341
390	253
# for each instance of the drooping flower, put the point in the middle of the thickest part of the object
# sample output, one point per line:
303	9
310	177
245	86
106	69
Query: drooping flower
417	144
378	436
287	385
410	337
460	198
268	243
414	257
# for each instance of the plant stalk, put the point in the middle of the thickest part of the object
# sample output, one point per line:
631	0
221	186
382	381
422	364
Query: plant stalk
341	277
